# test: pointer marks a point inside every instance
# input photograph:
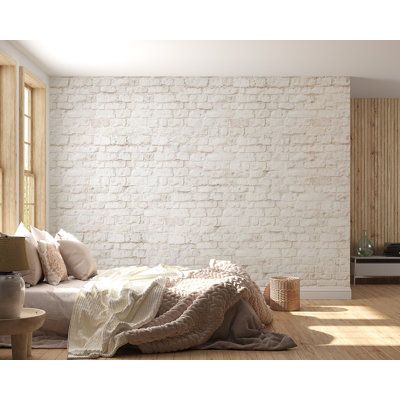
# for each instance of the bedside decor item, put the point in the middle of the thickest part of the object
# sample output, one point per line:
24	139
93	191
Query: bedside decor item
20	329
12	286
365	247
284	293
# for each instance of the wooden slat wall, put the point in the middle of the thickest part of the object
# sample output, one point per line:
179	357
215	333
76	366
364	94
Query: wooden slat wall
8	145
39	154
375	170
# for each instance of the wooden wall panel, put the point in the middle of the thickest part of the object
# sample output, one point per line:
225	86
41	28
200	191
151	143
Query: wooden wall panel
8	146
375	170
39	154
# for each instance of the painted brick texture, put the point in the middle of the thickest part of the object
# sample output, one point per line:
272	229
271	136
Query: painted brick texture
181	170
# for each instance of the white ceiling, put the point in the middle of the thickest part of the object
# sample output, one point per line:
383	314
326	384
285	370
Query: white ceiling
373	65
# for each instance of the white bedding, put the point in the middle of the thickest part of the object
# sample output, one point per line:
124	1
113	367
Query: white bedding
112	303
58	302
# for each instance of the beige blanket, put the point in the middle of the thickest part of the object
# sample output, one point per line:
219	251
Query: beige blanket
192	307
243	330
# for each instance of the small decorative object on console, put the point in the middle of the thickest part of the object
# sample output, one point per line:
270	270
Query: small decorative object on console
392	250
12	286
365	247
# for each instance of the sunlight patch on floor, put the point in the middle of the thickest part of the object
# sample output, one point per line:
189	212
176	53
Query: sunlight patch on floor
359	341
359	335
341	312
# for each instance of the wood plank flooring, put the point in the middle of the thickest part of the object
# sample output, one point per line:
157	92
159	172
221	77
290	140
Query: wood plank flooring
366	327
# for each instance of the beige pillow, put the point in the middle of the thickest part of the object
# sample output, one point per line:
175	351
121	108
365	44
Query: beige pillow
42	235
53	265
35	274
78	259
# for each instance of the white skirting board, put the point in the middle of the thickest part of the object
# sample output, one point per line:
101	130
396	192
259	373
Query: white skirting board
324	293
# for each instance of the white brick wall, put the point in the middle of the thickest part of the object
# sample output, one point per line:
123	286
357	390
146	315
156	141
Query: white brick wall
181	170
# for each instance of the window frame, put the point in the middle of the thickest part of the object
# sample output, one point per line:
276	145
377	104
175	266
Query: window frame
29	117
28	198
38	138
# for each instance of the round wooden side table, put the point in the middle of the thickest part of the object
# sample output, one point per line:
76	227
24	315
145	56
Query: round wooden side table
21	329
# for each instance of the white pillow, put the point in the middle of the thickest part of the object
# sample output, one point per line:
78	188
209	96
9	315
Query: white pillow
64	235
42	235
35	274
78	259
77	256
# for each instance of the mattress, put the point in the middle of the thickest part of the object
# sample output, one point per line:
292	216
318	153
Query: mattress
58	302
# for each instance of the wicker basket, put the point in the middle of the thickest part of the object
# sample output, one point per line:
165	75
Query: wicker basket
283	293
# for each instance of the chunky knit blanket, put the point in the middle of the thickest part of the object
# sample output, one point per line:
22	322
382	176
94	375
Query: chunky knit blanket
194	307
190	307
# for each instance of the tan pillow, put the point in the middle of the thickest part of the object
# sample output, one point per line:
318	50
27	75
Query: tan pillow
35	274
53	265
78	259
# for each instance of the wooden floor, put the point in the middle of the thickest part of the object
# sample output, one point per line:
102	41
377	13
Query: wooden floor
366	327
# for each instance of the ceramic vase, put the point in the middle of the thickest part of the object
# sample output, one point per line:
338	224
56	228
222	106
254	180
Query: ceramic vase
12	295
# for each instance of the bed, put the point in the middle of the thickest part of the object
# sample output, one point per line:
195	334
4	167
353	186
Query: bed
58	302
159	309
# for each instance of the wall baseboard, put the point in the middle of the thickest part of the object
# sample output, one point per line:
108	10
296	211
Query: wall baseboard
324	293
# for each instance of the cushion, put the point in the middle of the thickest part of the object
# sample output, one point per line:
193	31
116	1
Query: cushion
42	235
63	235
53	264
35	274
78	259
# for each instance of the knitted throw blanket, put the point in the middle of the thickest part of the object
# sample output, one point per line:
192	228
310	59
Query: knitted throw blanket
194	307
167	310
